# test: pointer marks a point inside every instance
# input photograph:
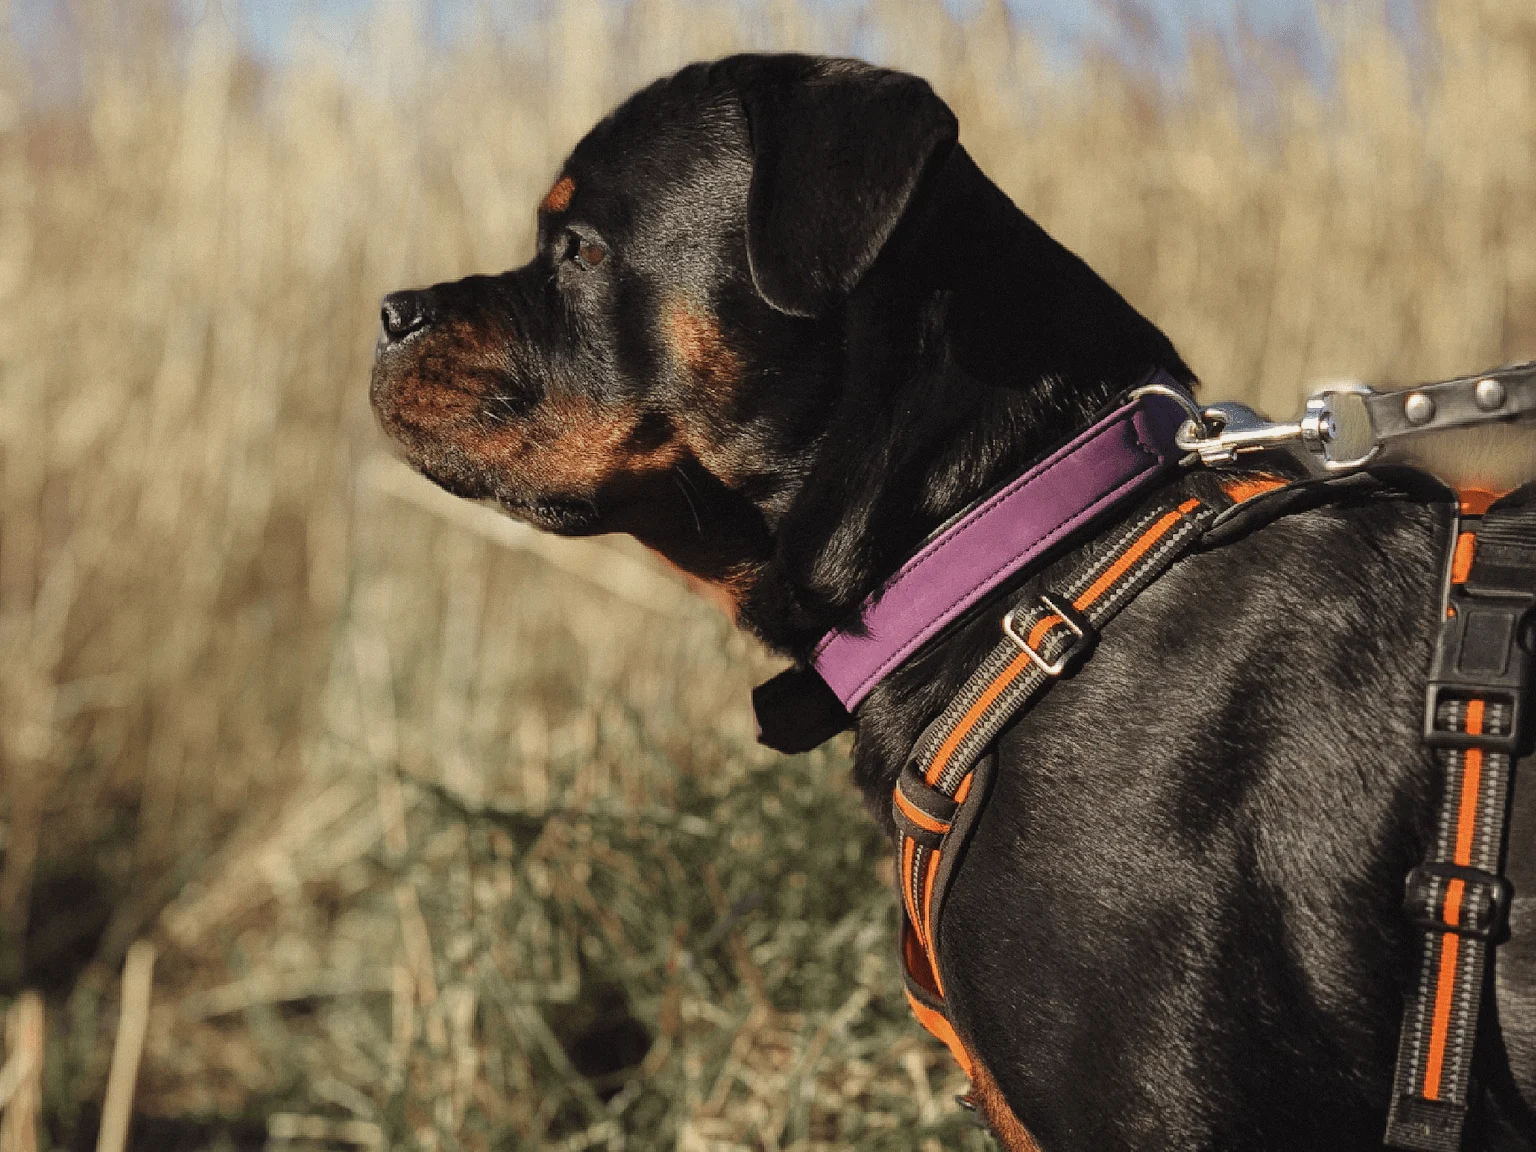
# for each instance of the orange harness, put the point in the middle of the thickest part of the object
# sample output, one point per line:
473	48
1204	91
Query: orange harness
1457	898
941	790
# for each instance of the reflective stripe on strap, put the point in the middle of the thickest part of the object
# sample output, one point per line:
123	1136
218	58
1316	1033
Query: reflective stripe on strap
937	780
1458	898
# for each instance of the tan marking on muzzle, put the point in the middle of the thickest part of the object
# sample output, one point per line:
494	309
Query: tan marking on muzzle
580	445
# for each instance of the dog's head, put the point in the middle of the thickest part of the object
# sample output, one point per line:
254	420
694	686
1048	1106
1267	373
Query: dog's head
778	326
665	363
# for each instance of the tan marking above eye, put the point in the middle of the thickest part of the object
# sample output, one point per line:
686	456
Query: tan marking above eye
558	198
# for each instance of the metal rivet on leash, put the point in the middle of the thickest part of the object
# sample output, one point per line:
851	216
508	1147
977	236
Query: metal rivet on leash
1419	408
1489	394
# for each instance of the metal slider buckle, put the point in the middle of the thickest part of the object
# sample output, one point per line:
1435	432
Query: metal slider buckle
1484	902
1084	634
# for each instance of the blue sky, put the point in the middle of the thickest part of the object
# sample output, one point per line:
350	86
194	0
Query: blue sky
1067	25
1148	32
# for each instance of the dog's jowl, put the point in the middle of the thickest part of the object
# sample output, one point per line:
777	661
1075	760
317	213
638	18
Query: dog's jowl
781	328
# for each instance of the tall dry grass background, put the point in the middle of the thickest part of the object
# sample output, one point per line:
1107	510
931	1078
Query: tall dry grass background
433	833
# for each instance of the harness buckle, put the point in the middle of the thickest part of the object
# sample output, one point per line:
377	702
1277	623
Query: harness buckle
1482	905
1084	635
1481	656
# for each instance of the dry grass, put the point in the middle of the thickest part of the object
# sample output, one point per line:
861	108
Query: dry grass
428	817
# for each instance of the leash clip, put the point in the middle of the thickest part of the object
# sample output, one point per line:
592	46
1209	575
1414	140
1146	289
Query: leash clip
1348	425
1227	430
1084	635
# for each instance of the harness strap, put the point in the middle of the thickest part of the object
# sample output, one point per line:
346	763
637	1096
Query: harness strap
1479	689
940	790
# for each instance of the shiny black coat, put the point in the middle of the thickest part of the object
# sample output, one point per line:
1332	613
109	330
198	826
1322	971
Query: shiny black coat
779	326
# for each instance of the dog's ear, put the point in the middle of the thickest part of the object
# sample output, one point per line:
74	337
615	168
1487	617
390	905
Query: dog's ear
838	149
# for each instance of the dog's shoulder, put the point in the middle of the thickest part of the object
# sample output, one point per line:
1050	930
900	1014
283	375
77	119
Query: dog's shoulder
1218	807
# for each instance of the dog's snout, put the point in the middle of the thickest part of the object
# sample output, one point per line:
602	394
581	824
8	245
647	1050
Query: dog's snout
402	313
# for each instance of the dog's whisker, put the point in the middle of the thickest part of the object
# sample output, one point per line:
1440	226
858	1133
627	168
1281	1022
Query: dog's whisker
685	487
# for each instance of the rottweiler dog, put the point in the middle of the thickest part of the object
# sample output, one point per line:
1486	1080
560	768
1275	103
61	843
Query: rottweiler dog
780	327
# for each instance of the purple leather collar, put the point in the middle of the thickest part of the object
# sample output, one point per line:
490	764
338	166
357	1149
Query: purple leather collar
1015	527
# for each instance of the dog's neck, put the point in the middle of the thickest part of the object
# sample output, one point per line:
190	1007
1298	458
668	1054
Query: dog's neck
975	344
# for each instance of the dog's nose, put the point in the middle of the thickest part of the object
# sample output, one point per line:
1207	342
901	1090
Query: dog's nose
402	313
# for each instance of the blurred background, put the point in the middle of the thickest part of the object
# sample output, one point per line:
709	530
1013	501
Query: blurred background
340	814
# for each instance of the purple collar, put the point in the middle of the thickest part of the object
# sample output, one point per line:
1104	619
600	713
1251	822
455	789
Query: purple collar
1015	527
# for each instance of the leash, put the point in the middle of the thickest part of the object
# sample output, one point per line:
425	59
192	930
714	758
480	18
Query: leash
1475	716
1349	426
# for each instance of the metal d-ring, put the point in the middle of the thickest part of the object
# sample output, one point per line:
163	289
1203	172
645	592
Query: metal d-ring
1184	400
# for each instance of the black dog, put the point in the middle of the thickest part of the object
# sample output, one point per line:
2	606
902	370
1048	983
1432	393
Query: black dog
779	327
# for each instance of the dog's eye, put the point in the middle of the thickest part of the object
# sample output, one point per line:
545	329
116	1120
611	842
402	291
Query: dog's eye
584	252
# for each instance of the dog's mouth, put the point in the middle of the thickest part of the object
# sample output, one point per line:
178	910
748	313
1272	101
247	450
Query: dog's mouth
560	515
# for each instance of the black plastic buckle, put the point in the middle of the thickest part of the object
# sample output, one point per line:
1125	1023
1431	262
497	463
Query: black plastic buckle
1484	908
1481	654
1084	635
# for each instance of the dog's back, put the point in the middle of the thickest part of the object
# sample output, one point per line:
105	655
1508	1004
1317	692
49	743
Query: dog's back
1186	882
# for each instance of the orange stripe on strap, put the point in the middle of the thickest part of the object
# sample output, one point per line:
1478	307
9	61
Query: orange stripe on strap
1445	987
930	871
995	689
915	814
1016	666
1042	626
1471	786
1134	553
940	1027
1461	559
926	940
1453	894
1450	943
1466	815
